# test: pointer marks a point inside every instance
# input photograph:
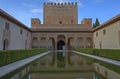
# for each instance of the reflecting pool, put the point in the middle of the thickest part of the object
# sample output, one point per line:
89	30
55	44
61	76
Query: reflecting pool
70	66
61	65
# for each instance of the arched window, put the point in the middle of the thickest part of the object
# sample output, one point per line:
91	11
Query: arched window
7	25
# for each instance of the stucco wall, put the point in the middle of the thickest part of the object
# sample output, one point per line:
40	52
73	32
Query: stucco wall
16	40
1	32
111	39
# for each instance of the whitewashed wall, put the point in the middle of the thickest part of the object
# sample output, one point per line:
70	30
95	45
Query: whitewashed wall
17	40
111	40
1	32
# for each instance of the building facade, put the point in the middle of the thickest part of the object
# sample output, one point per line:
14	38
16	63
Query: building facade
13	34
107	35
60	29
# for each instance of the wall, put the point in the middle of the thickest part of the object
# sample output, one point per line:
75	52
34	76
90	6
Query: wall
68	35
110	40
16	40
56	12
1	32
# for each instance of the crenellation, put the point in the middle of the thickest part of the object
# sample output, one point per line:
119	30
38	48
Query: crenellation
61	4
68	3
72	3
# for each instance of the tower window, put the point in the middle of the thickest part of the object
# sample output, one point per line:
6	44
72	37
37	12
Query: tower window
87	22
60	22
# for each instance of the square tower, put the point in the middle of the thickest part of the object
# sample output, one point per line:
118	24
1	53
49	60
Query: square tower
60	13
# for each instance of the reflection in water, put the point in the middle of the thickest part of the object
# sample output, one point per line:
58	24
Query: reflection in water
55	65
63	75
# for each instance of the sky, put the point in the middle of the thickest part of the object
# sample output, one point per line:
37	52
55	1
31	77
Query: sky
24	10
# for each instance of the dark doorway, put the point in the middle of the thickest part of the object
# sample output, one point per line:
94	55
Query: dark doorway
60	45
5	44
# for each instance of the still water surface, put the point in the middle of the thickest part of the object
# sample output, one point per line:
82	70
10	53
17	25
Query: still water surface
59	66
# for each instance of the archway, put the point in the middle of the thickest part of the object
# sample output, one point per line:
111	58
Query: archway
35	42
60	45
5	44
70	44
60	42
80	42
88	42
51	43
43	42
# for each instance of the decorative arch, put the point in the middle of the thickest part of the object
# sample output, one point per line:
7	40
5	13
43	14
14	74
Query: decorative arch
88	42
51	43
80	42
61	37
70	43
35	42
43	42
5	44
60	45
60	42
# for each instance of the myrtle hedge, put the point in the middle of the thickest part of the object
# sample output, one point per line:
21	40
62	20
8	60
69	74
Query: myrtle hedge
9	56
107	53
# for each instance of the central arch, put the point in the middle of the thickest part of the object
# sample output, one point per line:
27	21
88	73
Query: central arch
60	45
60	42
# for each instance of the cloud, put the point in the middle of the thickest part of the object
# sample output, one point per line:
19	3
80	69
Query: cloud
26	4
81	4
36	11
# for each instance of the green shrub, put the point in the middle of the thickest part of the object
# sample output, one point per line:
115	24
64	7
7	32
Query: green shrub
107	53
102	63
9	56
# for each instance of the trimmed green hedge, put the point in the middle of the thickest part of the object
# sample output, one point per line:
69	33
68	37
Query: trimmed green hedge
9	56
107	65
107	53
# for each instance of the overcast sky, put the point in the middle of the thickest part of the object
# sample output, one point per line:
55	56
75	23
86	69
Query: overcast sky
24	10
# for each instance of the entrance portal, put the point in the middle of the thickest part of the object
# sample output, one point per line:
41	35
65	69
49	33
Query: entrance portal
60	45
